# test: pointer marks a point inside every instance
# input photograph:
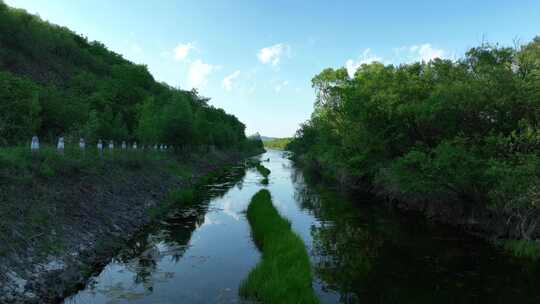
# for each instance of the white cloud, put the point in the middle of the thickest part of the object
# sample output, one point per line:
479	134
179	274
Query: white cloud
198	73
280	86
405	54
181	51
272	54
365	58
420	52
228	81
426	52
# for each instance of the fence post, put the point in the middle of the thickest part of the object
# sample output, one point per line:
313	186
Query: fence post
60	145
124	146
82	146
34	146
100	147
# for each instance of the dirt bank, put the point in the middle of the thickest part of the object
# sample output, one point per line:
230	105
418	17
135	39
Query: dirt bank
58	228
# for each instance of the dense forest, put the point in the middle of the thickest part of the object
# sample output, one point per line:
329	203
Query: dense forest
54	83
464	130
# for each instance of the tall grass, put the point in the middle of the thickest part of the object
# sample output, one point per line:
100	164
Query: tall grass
284	274
522	248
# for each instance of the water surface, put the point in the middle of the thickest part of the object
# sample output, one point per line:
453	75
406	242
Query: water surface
360	251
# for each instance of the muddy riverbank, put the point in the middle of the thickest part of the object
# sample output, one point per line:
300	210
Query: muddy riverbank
60	228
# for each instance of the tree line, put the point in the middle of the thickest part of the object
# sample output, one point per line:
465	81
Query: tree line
54	82
463	130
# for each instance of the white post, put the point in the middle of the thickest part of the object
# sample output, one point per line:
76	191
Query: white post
124	146
82	144
100	147
34	146
111	145
134	146
60	145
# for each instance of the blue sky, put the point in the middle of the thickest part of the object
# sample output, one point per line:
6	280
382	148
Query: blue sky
256	59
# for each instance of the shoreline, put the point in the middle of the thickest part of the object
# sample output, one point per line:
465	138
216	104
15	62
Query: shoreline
498	228
93	216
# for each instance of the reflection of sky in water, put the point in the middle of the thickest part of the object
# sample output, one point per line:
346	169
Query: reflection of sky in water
206	268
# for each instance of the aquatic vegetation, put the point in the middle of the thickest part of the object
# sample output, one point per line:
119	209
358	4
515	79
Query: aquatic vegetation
284	274
265	172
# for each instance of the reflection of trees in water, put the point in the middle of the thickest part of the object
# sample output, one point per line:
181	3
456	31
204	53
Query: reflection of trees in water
343	249
370	255
167	239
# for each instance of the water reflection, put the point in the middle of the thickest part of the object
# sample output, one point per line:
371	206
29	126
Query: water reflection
361	251
369	254
139	267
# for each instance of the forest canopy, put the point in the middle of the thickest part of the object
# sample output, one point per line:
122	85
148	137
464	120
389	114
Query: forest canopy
54	82
444	130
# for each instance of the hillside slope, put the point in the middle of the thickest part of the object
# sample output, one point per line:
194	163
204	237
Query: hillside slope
54	82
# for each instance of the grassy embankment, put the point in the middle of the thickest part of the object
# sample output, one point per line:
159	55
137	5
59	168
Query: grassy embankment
284	274
53	204
39	190
521	248
277	144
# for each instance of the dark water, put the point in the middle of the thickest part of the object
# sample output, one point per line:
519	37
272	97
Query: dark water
360	253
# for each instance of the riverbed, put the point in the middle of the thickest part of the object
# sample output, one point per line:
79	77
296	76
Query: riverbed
361	252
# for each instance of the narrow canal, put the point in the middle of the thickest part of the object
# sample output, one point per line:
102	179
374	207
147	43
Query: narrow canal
360	251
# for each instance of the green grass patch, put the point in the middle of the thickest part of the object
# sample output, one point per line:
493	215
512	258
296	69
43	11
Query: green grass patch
284	274
277	144
265	172
521	248
183	197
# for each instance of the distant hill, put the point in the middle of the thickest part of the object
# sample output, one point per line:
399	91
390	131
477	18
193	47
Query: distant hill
268	138
276	143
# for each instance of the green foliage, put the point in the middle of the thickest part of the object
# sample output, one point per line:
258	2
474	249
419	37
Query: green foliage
184	196
19	109
284	274
54	82
265	172
277	144
465	130
521	248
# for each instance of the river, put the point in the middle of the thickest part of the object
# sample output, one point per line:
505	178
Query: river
361	252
